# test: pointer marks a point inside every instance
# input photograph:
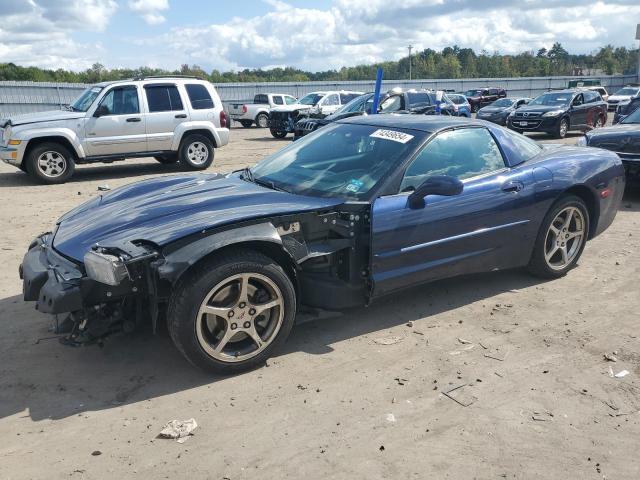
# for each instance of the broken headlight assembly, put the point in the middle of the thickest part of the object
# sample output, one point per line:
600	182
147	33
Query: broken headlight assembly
105	268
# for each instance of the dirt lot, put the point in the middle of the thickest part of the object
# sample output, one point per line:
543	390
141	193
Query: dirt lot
336	403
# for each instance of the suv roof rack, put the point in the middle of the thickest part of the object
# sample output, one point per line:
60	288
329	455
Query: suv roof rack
145	77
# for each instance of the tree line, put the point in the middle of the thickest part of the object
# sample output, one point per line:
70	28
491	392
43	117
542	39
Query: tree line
450	62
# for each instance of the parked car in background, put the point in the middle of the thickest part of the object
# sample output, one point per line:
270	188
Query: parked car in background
170	119
258	111
557	112
461	104
623	138
498	111
601	90
623	96
361	209
318	104
480	97
394	101
627	109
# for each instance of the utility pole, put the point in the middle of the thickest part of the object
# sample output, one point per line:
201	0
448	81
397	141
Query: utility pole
638	38
410	47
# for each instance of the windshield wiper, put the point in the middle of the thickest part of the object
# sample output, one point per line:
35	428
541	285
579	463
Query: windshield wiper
247	174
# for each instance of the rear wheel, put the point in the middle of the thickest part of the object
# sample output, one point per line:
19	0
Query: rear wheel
246	123
230	314
561	239
196	152
50	163
262	120
278	133
599	122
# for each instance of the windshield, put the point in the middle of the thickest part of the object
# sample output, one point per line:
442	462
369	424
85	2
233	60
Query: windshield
473	93
552	99
341	160
633	117
503	102
356	105
84	101
627	91
311	99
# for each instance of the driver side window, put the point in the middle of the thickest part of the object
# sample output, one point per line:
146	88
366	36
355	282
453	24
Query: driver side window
578	100
121	101
462	153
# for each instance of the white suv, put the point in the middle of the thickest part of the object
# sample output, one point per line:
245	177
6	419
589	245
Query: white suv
169	118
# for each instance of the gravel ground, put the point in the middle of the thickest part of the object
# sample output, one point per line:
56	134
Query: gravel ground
538	400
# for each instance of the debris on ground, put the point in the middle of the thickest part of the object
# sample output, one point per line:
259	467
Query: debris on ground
388	340
460	396
542	416
496	355
464	342
409	324
622	374
179	430
95	453
104	188
610	357
391	417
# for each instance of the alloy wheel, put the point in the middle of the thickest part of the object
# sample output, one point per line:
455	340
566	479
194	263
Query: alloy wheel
564	238
197	153
240	317
52	164
563	128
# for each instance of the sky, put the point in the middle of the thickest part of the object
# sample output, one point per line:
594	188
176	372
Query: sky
311	35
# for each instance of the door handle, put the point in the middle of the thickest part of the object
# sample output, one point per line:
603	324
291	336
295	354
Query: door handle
181	115
134	119
512	187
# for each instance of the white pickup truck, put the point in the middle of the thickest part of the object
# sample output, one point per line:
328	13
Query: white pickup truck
258	111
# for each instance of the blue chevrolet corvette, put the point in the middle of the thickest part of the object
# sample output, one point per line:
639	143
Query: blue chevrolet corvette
351	213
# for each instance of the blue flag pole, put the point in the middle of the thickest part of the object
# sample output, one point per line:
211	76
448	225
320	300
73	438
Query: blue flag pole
376	94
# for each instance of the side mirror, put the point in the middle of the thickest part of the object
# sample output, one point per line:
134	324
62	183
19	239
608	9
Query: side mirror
101	111
436	185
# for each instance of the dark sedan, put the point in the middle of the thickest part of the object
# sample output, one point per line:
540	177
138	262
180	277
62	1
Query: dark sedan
559	112
359	210
498	111
624	139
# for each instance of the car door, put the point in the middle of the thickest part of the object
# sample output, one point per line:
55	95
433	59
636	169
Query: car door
116	125
165	112
481	229
578	112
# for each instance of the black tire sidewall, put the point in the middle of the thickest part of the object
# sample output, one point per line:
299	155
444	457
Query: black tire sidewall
32	169
278	133
184	145
189	294
538	264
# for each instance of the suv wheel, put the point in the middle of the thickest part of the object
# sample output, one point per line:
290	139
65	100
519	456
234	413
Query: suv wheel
231	312
563	128
246	123
278	133
50	163
262	120
196	152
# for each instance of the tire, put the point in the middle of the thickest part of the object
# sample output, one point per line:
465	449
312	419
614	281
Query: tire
196	152
246	123
599	122
475	108
278	133
543	263
50	163
562	129
199	335
262	120
167	159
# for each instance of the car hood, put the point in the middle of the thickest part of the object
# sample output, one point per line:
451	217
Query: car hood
493	109
539	109
620	137
620	97
291	108
162	210
49	116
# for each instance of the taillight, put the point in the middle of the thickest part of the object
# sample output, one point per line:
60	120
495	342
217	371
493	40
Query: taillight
223	119
244	109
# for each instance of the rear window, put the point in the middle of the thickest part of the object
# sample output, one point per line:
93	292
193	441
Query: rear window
199	96
163	98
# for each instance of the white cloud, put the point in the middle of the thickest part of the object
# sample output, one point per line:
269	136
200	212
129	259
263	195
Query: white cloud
352	32
150	10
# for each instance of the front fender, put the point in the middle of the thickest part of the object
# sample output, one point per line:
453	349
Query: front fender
179	261
51	132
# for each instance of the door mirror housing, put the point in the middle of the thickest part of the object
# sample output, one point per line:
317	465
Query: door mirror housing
101	111
444	185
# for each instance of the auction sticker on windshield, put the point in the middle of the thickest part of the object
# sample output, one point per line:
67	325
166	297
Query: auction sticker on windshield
399	137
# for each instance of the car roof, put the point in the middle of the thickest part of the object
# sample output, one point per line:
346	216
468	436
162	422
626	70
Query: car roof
424	123
152	80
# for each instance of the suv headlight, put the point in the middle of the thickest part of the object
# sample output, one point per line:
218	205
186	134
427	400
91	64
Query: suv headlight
553	113
105	268
582	141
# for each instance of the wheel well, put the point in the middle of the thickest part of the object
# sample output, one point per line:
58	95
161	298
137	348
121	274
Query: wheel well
34	142
203	132
266	114
589	198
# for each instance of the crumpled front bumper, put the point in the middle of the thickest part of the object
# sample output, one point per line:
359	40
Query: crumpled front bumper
10	155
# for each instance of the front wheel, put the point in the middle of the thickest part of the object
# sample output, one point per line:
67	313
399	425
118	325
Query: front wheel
562	129
232	312
196	152
50	163
561	239
278	133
